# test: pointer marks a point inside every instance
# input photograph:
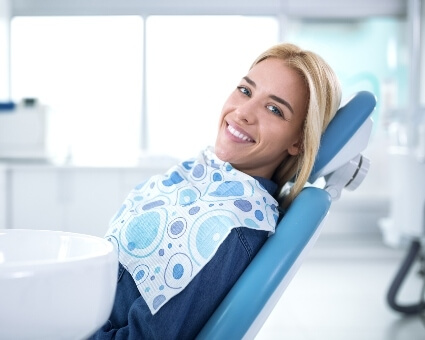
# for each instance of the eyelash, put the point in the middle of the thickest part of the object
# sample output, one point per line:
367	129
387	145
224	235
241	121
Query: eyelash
242	90
275	110
272	108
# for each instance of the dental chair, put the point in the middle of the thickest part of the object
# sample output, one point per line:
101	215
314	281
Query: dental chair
249	303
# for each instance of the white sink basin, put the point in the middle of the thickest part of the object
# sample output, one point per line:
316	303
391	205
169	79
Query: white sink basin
54	285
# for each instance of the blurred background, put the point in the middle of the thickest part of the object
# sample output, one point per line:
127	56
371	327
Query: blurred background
97	95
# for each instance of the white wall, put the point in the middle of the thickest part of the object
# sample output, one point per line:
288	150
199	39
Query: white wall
3	197
4	49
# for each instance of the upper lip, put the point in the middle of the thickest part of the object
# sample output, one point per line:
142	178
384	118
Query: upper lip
240	130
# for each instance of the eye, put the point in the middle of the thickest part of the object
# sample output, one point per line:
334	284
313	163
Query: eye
275	110
244	90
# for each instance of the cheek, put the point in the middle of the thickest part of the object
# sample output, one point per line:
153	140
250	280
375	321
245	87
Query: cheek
224	111
230	104
221	122
278	151
281	139
221	130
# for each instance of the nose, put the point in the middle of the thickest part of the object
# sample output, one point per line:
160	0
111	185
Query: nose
247	111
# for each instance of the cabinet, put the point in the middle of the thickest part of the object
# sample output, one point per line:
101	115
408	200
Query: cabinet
74	199
84	199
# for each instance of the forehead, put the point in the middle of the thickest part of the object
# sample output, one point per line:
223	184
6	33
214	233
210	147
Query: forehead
275	77
274	68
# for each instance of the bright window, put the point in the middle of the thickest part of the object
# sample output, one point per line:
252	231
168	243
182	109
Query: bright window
89	71
193	63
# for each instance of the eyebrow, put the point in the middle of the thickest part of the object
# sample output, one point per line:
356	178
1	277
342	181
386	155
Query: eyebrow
276	98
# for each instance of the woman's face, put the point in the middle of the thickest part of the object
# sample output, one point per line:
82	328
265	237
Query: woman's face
261	122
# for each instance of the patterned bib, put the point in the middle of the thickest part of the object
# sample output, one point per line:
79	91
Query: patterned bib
170	226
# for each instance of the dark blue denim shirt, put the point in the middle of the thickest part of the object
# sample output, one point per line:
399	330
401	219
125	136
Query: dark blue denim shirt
185	314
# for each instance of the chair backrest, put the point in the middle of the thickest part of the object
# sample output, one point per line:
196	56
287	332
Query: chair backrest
346	135
245	309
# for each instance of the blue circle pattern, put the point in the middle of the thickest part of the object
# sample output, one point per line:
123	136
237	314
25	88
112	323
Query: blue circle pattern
170	226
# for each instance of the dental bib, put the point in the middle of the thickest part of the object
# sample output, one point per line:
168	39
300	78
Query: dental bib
170	226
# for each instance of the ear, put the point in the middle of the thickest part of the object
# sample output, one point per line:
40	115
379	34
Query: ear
295	148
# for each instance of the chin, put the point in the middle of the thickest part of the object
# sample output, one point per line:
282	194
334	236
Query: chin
221	154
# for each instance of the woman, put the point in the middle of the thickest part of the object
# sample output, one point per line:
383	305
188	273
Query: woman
269	133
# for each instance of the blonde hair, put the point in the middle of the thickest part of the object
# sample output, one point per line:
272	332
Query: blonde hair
324	97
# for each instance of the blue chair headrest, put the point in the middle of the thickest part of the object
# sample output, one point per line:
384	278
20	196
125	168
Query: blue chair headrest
348	119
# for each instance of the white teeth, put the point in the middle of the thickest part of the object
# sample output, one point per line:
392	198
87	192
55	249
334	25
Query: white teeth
235	133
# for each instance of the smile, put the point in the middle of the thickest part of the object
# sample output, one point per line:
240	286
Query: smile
238	134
